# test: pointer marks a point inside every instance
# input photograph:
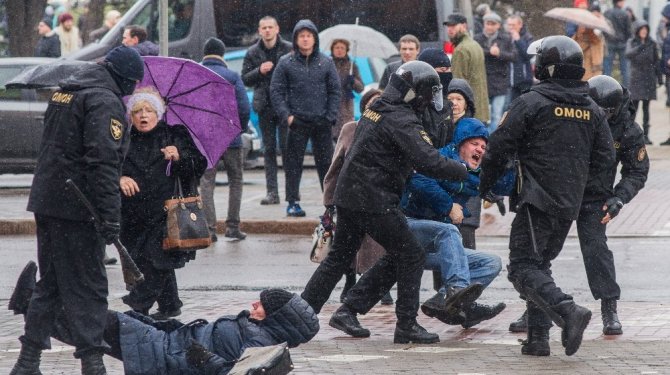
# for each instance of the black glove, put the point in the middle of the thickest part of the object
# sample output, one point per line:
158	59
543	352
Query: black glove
109	231
327	219
197	355
499	200
613	206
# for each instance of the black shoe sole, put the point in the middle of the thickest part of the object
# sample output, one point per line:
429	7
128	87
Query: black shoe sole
612	332
337	325
22	293
407	340
535	352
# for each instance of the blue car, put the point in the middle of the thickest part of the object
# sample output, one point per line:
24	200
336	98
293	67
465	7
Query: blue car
371	70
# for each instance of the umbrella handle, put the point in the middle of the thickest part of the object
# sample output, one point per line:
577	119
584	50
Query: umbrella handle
353	55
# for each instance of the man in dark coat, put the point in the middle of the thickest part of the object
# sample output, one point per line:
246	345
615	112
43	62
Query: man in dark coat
85	139
151	347
522	74
616	43
409	51
499	53
257	69
389	144
305	91
135	37
49	43
554	124
233	157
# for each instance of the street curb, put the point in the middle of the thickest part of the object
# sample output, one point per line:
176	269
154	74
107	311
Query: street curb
282	226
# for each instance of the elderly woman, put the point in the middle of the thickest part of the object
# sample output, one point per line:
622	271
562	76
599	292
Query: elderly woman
158	154
350	81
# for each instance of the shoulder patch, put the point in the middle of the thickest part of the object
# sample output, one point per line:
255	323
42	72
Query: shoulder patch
62	98
641	153
372	115
425	137
116	129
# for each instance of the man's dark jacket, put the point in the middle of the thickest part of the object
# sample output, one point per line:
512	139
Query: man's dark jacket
388	146
498	67
147	48
218	66
390	69
557	133
147	350
522	74
622	26
85	139
306	87
251	73
630	152
48	46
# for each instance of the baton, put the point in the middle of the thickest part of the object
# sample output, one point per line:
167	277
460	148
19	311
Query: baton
131	274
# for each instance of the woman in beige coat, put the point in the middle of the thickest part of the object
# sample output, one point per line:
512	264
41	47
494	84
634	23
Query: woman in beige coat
593	46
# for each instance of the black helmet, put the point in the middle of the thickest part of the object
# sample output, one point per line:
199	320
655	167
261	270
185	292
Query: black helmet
559	57
424	83
607	93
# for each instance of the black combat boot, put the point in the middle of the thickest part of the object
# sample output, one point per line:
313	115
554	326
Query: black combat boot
92	364
346	321
411	331
611	324
23	290
537	343
28	362
576	319
521	324
452	302
476	313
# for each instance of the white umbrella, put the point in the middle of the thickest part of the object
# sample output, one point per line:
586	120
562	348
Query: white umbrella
369	42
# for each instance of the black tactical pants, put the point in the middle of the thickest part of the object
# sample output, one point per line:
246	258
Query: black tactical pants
112	333
72	278
598	259
531	270
402	249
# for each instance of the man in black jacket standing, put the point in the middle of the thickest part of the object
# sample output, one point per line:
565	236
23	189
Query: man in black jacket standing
257	69
390	143
48	45
305	91
616	44
558	135
85	139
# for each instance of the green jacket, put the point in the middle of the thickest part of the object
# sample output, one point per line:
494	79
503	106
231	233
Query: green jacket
467	63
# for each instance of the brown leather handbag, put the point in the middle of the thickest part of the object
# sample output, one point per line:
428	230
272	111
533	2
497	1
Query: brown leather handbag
186	223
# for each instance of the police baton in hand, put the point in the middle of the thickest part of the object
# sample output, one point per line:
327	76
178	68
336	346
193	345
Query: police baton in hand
131	274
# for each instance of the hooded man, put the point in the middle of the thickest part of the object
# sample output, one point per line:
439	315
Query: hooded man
439	125
305	92
84	140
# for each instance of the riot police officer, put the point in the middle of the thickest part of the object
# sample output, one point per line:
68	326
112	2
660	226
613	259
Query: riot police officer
84	140
556	133
389	144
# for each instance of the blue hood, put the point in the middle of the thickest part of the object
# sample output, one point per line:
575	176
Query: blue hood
469	127
309	25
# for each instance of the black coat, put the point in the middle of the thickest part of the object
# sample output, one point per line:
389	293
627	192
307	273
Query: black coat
389	144
557	133
644	67
48	46
630	152
390	69
143	217
498	67
147	350
85	138
251	74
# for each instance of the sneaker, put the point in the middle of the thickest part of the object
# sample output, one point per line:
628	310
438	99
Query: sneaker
294	210
271	198
235	233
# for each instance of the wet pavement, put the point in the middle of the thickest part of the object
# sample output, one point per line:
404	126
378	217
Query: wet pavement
227	277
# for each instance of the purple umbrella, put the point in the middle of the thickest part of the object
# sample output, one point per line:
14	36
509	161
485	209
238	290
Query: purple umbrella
199	99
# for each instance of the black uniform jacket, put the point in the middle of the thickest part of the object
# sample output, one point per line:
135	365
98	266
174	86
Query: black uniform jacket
388	145
85	138
557	133
630	152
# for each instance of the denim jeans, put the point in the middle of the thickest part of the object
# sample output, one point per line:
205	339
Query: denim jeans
445	252
608	63
497	105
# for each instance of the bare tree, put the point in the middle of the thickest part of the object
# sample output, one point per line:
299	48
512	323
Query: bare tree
22	19
94	18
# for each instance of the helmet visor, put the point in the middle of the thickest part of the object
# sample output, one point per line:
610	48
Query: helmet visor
438	102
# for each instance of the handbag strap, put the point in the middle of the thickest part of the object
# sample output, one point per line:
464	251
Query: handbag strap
178	191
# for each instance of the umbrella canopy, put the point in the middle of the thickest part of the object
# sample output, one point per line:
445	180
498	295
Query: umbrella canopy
580	17
45	75
369	42
199	99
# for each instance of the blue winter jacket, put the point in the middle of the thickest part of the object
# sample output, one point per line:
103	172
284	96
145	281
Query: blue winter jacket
147	350
306	87
216	64
432	199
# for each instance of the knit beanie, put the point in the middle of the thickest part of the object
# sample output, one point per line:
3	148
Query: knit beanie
273	299
214	46
126	62
47	21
